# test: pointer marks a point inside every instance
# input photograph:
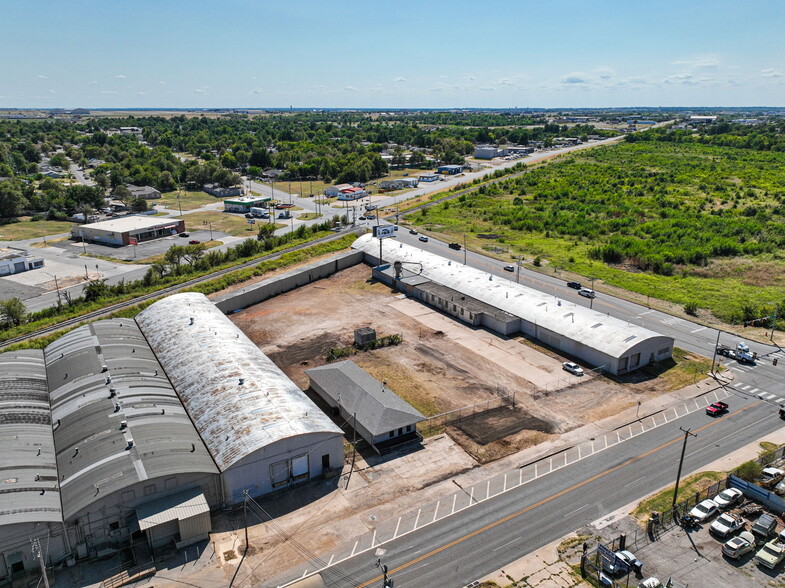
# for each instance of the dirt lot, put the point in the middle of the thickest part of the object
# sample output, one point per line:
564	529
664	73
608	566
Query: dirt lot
441	365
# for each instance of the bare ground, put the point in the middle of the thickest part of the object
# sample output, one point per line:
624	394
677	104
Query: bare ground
436	370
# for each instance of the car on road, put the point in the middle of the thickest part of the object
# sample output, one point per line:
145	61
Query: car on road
248	215
726	525
423	238
412	232
370	207
574	285
703	511
728	498
573	368
456	246
395	227
184	235
370	216
717	409
587	292
509	268
363	218
194	242
740	545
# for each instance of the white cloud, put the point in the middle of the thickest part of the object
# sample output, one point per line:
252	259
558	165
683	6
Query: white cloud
51	91
200	90
350	88
93	82
257	91
120	77
162	83
141	93
400	79
770	72
683	79
700	61
108	92
42	77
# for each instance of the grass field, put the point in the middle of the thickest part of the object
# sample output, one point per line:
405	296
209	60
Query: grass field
27	229
659	204
188	200
221	221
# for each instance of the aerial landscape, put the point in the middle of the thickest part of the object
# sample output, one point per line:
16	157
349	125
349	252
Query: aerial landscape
392	294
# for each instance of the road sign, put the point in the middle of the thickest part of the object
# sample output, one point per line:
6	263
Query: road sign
132	240
383	231
251	221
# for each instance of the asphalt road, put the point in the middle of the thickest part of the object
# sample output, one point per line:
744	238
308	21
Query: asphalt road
458	549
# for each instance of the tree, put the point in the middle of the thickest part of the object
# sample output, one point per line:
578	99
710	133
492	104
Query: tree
12	312
123	194
138	204
95	290
12	200
166	182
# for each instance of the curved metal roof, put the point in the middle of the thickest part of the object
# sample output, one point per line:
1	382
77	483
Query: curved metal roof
606	334
29	491
101	375
238	398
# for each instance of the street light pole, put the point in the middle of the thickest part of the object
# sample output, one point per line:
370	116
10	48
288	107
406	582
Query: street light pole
591	300
774	320
681	462
714	357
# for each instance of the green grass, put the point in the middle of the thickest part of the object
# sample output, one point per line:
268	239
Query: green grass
27	229
188	201
309	216
221	221
662	501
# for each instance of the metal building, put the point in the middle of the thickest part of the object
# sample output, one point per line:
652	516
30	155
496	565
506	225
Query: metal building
122	436
462	291
120	231
262	431
29	494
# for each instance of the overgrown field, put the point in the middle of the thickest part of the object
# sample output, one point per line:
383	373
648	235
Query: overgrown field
687	223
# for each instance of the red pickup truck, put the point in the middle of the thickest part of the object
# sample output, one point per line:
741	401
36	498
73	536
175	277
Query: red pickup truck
716	409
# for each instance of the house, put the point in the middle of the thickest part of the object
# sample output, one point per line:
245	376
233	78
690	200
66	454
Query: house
381	417
145	192
345	192
219	192
399	184
51	171
273	174
14	261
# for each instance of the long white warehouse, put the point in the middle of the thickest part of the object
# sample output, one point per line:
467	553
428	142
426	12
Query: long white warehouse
479	298
262	431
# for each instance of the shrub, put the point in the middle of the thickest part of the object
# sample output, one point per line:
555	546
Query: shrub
691	308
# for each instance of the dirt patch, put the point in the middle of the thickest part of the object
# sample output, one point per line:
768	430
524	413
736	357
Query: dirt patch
441	365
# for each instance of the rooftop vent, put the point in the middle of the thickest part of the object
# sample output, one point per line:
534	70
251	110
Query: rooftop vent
123	425
108	380
130	444
117	407
112	392
242	381
192	321
104	368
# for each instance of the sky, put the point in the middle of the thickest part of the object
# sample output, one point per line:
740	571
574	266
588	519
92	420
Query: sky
391	54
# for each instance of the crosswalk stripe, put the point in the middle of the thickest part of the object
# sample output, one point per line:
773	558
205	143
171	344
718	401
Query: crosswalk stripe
746	387
769	396
753	390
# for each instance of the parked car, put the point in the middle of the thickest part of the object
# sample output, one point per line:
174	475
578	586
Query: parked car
703	511
395	227
726	525
573	368
574	285
509	268
587	292
771	554
423	238
184	235
412	232
248	215
370	207
742	544
633	562
770	476
362	218
456	246
370	216
765	526
728	498
194	242
650	583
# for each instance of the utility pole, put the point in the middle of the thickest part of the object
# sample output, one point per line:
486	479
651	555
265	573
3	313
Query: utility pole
774	320
464	249
714	357
591	300
37	553
387	582
681	462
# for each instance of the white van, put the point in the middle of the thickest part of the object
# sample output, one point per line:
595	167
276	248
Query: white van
587	292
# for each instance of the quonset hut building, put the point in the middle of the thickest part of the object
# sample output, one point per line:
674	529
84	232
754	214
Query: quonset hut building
479	298
123	429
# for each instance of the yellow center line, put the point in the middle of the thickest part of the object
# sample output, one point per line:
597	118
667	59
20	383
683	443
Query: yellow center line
548	499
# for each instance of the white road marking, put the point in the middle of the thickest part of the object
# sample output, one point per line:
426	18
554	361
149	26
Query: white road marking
576	510
417	520
508	543
697	330
436	511
396	530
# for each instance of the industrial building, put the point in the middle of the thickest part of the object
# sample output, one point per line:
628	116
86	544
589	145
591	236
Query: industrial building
262	431
14	261
244	203
449	169
123	438
29	492
503	306
489	151
122	231
381	417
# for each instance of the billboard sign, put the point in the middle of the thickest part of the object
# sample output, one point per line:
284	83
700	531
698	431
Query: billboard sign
383	231
132	240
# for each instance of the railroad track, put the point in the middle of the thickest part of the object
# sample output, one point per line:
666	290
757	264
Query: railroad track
168	290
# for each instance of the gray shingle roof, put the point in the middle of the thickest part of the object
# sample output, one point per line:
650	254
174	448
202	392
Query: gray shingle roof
377	407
